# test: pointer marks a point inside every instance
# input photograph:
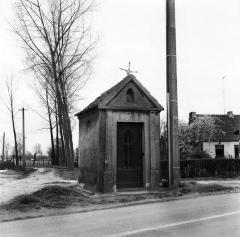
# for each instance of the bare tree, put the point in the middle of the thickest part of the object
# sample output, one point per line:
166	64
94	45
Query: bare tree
7	148
9	102
47	99
59	49
37	149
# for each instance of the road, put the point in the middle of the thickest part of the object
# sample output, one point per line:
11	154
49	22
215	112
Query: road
215	215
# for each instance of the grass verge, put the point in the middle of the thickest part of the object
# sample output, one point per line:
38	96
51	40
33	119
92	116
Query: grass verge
56	196
193	187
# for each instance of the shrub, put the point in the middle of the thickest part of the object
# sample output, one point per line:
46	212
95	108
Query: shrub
193	168
51	192
27	199
212	188
198	154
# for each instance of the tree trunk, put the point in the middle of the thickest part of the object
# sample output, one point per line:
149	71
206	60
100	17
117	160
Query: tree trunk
57	140
67	122
63	160
51	128
63	115
15	140
68	135
53	157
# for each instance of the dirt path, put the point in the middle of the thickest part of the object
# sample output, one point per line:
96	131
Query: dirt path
13	184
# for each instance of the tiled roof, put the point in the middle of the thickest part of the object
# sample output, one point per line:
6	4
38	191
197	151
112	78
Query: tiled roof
228	124
107	95
99	99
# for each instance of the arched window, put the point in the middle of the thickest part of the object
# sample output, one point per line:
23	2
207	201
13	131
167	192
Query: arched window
128	148
130	95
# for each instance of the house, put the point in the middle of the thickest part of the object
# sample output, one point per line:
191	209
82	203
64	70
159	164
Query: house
226	145
119	138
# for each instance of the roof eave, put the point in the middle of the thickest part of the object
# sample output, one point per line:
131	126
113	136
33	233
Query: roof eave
104	107
86	112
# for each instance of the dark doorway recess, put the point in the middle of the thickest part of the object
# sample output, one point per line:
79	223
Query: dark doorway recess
219	149
129	155
236	151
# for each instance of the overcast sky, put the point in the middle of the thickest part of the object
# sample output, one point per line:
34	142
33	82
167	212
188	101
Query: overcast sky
208	48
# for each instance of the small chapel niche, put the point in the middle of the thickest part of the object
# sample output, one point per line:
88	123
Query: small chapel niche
130	95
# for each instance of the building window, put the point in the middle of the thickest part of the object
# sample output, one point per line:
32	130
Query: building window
219	150
130	95
236	151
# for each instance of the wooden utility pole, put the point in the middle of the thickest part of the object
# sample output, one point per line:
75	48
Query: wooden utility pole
3	147
23	139
172	100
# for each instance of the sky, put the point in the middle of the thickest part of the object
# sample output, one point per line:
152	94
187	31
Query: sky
208	48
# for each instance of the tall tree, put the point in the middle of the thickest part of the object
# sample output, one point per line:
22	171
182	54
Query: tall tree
59	49
9	101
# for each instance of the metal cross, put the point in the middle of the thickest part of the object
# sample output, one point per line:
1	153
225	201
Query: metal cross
129	71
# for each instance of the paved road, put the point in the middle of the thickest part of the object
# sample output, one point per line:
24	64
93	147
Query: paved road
216	215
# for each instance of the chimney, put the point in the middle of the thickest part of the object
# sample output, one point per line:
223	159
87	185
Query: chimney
230	114
192	117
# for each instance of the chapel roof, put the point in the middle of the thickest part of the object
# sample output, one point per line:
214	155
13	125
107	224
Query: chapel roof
106	96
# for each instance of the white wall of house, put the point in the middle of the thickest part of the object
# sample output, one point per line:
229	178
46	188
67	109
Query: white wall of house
228	148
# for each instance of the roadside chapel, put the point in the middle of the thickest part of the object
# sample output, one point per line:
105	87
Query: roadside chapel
119	139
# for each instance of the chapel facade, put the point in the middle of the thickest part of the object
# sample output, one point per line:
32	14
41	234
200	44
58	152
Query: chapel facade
119	139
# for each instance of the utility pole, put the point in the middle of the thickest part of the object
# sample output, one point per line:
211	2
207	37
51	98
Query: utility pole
23	139
3	147
172	99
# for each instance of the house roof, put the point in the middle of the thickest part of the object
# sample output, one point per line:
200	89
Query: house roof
107	96
228	123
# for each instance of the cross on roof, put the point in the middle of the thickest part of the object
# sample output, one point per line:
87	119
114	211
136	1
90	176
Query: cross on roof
128	71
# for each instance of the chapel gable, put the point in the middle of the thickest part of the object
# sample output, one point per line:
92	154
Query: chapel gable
131	96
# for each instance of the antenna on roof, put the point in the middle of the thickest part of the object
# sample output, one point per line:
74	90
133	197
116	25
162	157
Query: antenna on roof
224	104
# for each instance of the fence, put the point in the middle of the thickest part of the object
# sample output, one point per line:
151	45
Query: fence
29	163
205	168
38	163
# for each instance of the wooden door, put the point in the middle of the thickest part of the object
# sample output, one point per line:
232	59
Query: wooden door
129	155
